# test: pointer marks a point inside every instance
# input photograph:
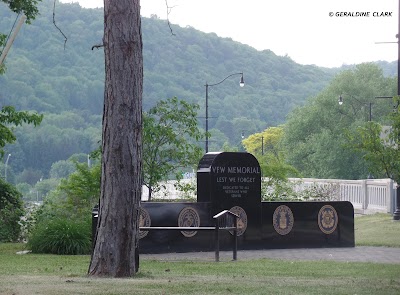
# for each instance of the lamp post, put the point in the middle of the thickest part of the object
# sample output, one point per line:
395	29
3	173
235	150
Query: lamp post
208	85
341	101
396	214
5	168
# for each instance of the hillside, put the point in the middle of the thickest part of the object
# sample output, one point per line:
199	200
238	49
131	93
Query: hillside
68	82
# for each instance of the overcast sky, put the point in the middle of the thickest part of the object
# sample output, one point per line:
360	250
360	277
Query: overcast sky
320	32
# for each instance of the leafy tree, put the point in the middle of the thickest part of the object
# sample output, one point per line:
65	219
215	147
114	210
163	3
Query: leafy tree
73	197
170	134
315	134
8	114
28	7
380	148
82	187
274	84
62	169
8	117
11	211
29	176
267	148
24	188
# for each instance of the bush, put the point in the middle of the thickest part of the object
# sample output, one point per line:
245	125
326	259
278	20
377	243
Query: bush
11	211
61	236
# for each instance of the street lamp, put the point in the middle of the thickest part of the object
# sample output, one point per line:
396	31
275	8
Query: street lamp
241	83
5	168
340	100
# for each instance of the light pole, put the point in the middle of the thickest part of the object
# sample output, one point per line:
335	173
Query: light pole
208	85
341	101
5	168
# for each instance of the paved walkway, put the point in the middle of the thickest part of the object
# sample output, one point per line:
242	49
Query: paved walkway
356	254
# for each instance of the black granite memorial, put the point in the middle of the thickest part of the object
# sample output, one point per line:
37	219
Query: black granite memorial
232	181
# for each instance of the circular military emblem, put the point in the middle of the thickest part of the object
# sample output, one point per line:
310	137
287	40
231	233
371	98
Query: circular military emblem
242	220
188	217
144	220
283	220
327	219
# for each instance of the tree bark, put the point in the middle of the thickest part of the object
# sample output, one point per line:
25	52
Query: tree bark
116	242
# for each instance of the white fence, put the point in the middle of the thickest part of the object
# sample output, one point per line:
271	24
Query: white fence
374	195
367	195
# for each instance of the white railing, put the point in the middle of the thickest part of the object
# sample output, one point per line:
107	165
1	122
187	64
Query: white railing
367	194
374	195
168	190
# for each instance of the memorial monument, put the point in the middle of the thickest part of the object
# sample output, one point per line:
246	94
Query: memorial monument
232	181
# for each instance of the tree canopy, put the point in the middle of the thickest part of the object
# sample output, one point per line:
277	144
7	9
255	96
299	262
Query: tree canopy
170	135
315	135
379	145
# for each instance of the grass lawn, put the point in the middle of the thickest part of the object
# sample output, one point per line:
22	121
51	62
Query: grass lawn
54	274
377	230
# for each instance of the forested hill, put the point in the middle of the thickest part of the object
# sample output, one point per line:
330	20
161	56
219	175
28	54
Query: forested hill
44	76
67	80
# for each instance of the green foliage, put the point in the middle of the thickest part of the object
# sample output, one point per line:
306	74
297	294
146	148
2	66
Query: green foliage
59	137
11	211
62	236
288	190
266	146
277	190
9	116
188	188
83	187
380	147
74	197
61	223
322	193
42	76
27	7
62	169
68	85
170	134
315	135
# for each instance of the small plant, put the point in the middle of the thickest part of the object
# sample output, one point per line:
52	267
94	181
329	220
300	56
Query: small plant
284	190
61	236
277	190
187	189
321	192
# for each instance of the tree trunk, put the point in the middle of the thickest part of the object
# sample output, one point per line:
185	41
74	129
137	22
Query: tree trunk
116	241
150	193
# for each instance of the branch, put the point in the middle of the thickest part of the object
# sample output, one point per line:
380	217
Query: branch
97	46
54	22
168	12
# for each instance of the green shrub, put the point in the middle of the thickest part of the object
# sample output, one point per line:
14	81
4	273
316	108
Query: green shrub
11	211
61	236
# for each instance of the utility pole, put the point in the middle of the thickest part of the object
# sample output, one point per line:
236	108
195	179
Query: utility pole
11	39
396	214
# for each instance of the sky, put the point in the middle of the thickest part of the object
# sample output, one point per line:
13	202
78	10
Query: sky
326	33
